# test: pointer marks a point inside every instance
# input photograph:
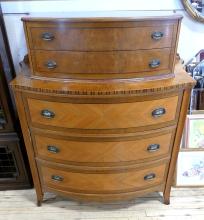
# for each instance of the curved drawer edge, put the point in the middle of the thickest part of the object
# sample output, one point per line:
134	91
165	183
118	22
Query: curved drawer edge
105	198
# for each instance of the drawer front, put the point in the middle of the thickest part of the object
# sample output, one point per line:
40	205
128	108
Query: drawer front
100	39
114	62
102	116
132	151
90	182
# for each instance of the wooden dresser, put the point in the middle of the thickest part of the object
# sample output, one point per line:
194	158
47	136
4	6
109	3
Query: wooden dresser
101	107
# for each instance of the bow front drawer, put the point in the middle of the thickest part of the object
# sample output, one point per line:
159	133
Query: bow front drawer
101	38
53	114
105	182
68	63
103	153
103	48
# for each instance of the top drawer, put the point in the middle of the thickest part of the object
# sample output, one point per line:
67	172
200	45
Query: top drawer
91	116
100	39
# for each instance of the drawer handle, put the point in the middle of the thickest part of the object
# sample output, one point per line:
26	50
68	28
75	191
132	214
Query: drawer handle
155	63
157	35
53	149
57	178
47	113
48	36
153	147
158	112
150	176
51	64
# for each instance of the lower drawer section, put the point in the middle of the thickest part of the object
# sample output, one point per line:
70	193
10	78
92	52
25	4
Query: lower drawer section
92	181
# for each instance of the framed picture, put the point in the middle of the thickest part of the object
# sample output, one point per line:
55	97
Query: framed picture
190	168
194	131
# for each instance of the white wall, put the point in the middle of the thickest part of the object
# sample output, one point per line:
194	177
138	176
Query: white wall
191	37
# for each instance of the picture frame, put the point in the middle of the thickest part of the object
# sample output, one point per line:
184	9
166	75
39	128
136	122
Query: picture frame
190	168
194	131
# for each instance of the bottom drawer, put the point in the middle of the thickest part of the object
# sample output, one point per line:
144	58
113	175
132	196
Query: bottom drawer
102	181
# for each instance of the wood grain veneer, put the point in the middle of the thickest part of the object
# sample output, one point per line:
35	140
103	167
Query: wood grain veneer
90	39
89	122
100	183
102	116
103	48
103	153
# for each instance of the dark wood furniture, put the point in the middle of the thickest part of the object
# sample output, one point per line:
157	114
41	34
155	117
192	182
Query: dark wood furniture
94	130
13	173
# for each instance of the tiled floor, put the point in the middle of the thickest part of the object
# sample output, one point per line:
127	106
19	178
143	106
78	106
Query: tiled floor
186	204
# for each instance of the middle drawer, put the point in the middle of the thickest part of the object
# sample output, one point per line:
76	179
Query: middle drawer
103	152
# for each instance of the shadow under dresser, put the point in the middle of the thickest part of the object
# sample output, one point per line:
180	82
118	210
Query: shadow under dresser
101	108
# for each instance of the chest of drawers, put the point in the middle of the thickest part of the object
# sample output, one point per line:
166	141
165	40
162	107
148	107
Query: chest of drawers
96	125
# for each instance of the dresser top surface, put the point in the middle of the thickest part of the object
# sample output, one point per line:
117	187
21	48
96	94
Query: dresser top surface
98	16
55	86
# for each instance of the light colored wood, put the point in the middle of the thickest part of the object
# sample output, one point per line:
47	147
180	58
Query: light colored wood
145	103
28	144
100	39
102	47
91	182
105	89
102	124
180	126
86	152
136	63
102	116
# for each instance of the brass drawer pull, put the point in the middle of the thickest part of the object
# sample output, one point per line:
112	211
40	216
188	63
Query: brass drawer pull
155	63
157	35
158	112
153	147
57	178
53	149
48	36
150	176
47	113
51	64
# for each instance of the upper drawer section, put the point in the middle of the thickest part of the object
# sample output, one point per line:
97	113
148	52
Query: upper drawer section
103	116
102	48
63	37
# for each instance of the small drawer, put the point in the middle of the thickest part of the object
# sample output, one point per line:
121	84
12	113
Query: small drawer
139	63
53	115
85	181
103	152
101	39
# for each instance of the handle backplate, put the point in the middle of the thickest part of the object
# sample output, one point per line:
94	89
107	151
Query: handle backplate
154	63
47	113
149	176
153	147
47	36
53	149
57	178
158	112
157	35
50	64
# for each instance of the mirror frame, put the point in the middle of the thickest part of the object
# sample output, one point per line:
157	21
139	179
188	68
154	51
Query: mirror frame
192	11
